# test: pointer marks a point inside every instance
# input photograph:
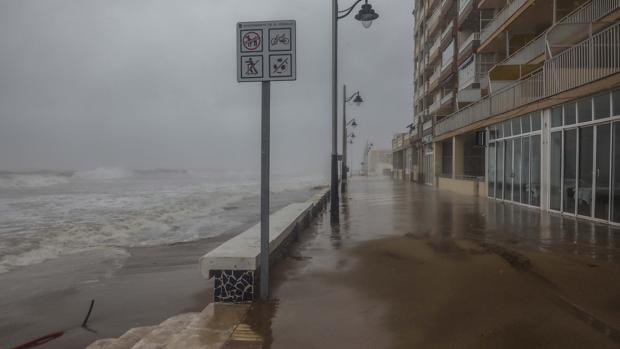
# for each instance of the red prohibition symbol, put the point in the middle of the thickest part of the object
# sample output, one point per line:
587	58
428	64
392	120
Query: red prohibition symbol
251	41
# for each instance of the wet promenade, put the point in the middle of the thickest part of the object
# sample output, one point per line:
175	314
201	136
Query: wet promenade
412	267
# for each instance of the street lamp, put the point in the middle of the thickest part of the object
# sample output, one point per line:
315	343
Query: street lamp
366	15
356	98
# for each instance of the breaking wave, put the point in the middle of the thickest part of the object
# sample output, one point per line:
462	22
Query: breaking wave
16	181
103	173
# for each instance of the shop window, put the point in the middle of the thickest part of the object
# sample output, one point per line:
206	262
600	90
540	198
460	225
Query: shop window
507	129
570	113
584	110
525	124
556	117
601	106
516	126
536	121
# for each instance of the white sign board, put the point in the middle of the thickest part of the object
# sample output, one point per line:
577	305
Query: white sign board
266	51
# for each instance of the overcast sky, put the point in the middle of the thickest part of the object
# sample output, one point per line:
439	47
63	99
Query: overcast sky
152	83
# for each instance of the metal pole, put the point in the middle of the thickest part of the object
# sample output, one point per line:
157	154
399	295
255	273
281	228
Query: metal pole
343	184
335	218
264	191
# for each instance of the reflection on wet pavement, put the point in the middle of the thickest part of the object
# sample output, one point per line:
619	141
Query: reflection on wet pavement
413	267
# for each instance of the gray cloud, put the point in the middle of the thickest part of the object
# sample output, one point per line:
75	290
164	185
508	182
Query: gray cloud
151	83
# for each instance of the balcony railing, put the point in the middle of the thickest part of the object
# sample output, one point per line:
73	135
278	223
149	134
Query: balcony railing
591	11
470	39
593	59
531	50
501	18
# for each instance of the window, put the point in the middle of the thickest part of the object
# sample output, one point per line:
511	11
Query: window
536	121
446	158
555	200
601	106
584	191
570	170
584	110
535	171
507	129
569	113
491	179
525	124
516	126
616	102
556	116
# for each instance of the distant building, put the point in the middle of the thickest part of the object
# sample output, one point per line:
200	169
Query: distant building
379	162
518	101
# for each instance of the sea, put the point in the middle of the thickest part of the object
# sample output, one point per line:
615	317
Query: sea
48	214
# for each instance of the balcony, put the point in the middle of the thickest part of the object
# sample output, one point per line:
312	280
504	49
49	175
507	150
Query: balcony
447	97
434	108
433	52
463	5
595	58
433	24
434	80
446	35
445	6
469	75
471	41
502	18
447	57
528	52
576	26
468	95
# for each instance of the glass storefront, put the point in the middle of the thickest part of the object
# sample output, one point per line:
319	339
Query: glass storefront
514	160
584	175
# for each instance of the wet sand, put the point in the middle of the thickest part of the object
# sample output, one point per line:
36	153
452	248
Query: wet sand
140	287
411	267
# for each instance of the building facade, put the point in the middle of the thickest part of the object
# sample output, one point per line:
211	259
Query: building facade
519	100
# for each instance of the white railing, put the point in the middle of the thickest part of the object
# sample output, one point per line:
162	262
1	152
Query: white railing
591	11
531	50
501	17
463	4
470	39
593	59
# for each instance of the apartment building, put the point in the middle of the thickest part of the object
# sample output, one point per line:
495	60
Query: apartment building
519	100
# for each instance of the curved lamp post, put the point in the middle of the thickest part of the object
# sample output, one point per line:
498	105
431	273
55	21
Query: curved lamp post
366	15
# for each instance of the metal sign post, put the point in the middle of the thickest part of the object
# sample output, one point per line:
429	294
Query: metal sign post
266	51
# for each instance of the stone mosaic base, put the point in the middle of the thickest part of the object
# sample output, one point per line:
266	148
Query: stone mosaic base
233	286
